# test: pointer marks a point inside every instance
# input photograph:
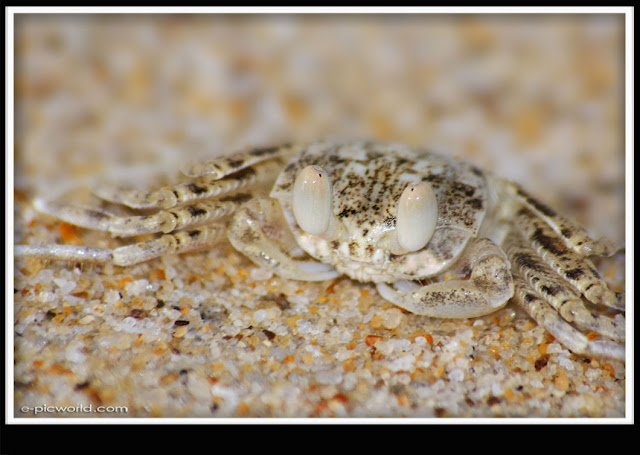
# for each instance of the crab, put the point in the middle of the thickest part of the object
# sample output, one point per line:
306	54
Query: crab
439	237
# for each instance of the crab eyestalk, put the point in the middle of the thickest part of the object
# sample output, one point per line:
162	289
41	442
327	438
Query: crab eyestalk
312	200
417	216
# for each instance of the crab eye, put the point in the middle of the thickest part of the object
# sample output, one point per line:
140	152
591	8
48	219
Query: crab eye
312	200
417	216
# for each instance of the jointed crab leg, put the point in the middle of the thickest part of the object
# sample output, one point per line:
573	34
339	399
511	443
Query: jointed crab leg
219	167
576	269
575	236
549	318
186	204
206	187
548	284
71	253
174	243
178	217
165	221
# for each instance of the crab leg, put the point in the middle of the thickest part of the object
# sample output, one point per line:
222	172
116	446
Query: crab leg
190	214
259	231
488	288
71	253
206	187
574	235
175	243
549	318
576	269
548	284
219	167
176	218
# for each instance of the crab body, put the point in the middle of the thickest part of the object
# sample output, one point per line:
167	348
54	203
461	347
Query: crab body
368	181
438	236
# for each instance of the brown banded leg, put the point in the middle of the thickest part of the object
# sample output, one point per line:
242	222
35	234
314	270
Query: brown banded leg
548	318
190	214
220	167
577	270
558	293
174	243
574	235
200	188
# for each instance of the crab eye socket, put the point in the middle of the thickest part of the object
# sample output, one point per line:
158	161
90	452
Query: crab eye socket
312	200
417	216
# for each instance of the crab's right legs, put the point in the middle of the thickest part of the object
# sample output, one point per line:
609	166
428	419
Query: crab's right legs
174	243
71	253
219	167
259	231
186	215
205	186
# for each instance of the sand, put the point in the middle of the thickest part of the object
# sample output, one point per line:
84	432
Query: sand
538	99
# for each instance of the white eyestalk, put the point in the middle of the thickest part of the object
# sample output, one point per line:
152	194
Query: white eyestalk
312	200
417	216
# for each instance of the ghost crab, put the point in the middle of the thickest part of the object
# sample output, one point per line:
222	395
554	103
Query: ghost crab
398	216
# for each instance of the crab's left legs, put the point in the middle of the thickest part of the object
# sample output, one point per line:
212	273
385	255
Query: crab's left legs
259	231
547	317
552	274
573	235
573	267
541	279
488	288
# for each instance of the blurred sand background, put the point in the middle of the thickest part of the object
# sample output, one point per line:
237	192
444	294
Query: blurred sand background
536	98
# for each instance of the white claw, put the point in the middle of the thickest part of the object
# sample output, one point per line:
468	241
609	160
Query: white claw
417	216
312	200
